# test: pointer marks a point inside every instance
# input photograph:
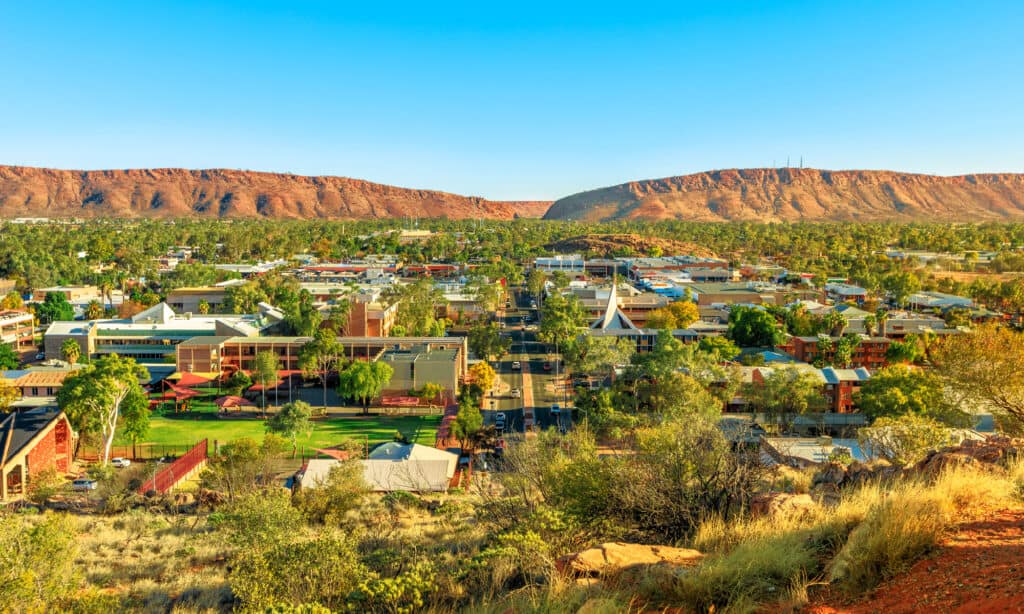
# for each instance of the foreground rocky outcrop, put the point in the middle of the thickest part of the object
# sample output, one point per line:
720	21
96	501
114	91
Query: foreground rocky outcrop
616	557
220	193
793	194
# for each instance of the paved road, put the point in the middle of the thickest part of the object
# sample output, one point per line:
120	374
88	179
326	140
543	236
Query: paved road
537	384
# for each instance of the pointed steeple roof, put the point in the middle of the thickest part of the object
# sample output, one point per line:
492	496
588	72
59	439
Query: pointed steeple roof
613	318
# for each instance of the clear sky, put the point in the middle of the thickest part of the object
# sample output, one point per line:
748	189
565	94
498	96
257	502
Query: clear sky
532	100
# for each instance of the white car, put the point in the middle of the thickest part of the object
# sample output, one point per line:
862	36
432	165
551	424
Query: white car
83	484
120	463
515	393
516	365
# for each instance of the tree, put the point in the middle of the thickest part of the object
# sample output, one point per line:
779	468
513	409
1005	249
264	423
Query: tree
785	393
292	420
899	390
467	422
238	382
418	305
905	439
535	282
104	394
721	347
430	392
55	308
984	367
203	306
265	371
486	341
677	315
94	310
834	323
8	395
483	375
900	286
321	356
338	315
38	554
907	351
486	293
12	301
327	503
243	466
753	327
845	348
70	351
561	320
364	380
9	359
590	354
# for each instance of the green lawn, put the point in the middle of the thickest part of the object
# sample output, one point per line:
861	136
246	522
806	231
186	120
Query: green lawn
186	429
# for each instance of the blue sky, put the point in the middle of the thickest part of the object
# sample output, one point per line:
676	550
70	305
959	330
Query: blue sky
528	100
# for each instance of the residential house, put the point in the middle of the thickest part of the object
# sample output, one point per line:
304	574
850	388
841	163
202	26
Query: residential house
392	467
843	292
32	442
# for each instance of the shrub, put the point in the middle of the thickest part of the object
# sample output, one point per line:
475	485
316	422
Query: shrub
37	571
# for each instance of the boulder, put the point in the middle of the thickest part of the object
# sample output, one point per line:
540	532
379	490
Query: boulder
936	463
774	503
617	556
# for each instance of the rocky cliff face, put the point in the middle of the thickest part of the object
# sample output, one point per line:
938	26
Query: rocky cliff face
802	194
167	193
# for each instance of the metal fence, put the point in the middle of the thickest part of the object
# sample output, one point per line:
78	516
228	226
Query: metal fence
172	473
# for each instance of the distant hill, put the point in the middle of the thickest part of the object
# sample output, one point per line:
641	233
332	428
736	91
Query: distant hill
793	194
219	193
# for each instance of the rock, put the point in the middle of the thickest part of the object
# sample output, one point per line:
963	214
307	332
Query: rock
616	556
938	462
831	473
773	503
184	498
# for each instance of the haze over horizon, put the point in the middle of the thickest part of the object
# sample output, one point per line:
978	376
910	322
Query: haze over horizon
536	102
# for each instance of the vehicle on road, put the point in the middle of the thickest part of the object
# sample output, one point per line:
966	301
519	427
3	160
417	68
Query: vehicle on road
556	409
547	366
83	484
516	365
533	304
40	356
515	393
120	463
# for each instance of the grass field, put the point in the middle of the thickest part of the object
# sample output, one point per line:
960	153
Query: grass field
187	429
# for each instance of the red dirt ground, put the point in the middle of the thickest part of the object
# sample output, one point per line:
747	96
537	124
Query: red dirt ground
977	570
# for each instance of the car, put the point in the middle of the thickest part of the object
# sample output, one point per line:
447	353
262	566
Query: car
40	356
499	418
547	366
533	304
120	463
83	484
556	409
516	365
515	393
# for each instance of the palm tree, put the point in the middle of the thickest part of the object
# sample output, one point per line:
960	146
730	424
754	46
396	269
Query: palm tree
70	351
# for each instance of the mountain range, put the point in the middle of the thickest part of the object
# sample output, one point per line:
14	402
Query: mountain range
219	193
764	195
797	194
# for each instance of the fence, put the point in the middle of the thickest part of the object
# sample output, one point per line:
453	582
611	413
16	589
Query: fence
139	452
177	471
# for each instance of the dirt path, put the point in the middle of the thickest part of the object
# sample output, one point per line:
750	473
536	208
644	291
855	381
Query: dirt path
977	570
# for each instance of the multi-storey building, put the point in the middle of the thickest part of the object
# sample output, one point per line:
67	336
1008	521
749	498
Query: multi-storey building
16	329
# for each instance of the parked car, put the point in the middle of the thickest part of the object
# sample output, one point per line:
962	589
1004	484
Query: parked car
547	366
556	409
515	393
120	463
83	484
499	418
516	365
40	356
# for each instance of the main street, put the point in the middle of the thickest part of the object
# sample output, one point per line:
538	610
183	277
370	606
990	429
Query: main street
538	386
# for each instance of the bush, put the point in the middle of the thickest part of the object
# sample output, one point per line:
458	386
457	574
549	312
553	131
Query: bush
37	555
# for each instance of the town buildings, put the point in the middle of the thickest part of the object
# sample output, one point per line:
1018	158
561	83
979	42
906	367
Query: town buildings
32	442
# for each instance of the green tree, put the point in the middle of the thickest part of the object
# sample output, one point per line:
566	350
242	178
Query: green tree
203	306
900	286
265	372
907	351
467	421
341	492
535	281
37	562
321	356
70	351
94	310
904	440
364	380
721	347
418	306
243	466
292	420
238	382
983	368
899	390
8	395
103	395
486	341
562	318
590	354
430	392
786	393
9	359
753	327
55	308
